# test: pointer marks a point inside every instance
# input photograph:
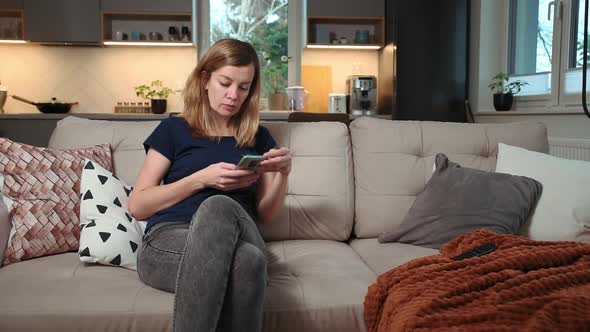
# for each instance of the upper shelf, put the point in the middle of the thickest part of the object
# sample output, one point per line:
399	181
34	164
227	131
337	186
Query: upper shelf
146	29
345	32
11	25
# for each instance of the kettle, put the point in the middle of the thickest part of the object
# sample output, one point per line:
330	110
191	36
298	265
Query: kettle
297	96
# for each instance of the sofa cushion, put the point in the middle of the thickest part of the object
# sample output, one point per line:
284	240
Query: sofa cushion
60	293
109	235
458	200
382	257
314	285
393	160
41	189
320	194
566	188
5	226
125	137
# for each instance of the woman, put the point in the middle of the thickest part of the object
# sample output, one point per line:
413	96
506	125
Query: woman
201	241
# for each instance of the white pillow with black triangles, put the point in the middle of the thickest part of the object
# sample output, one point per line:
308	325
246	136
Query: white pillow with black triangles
109	234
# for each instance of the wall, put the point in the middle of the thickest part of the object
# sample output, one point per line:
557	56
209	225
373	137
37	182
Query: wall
343	63
95	77
100	77
489	28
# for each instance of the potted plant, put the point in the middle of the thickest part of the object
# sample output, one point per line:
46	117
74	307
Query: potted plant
157	93
275	72
504	91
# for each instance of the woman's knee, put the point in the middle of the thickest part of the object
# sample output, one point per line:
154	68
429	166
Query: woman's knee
220	207
250	261
220	202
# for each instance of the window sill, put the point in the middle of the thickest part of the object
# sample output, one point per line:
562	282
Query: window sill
552	111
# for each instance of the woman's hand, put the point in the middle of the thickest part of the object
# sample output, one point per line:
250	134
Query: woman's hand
276	160
226	176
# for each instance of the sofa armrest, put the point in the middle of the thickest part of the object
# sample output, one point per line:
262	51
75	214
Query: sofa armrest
5	227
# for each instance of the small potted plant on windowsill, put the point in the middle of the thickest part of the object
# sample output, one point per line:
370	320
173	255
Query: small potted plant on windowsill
276	82
504	91
157	93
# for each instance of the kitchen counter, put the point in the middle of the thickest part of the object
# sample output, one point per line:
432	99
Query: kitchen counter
96	116
36	128
264	115
269	115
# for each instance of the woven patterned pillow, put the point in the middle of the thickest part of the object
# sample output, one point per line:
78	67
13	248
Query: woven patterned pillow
44	185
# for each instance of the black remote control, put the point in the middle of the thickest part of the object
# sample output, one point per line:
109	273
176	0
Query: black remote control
485	248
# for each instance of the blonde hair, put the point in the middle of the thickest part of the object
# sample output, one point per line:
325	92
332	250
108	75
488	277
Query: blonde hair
197	109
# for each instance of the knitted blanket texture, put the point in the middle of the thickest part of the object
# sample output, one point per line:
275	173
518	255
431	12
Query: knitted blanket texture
523	285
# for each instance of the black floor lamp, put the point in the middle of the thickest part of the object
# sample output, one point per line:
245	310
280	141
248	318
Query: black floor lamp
585	59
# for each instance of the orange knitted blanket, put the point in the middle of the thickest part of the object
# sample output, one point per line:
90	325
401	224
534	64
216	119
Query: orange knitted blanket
523	285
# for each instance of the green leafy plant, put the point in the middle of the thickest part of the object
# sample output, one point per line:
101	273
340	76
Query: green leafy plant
155	90
271	43
500	84
276	78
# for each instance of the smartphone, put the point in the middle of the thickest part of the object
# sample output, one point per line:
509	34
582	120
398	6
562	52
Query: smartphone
250	161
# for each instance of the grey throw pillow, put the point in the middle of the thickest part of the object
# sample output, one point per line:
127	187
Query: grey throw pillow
458	200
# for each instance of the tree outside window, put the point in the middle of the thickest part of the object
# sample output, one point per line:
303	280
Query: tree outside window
264	24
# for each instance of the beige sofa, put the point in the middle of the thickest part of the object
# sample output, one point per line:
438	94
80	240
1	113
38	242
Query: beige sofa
347	186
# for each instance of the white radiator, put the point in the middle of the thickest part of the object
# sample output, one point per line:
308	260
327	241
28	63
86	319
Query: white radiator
570	148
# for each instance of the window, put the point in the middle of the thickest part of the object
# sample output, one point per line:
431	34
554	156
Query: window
270	26
572	81
545	49
530	45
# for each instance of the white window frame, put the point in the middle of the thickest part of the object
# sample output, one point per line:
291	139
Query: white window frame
296	18
496	32
550	100
568	100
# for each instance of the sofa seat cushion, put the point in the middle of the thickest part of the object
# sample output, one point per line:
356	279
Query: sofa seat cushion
314	285
60	293
382	257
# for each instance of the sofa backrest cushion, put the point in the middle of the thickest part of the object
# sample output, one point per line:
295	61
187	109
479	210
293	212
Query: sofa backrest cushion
393	160
125	137
320	197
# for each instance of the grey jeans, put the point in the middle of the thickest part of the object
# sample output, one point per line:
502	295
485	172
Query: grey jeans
216	266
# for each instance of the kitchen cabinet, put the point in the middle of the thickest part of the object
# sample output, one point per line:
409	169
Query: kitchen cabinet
11	19
11	24
137	21
144	28
153	6
62	21
11	4
345	31
346	8
345	23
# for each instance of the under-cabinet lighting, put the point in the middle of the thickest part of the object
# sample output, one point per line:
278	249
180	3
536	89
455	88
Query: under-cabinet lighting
349	47
12	41
122	43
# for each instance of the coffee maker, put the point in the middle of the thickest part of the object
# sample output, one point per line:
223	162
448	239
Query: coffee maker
361	94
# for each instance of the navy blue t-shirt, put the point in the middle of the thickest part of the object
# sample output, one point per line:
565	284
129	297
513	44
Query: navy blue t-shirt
173	138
